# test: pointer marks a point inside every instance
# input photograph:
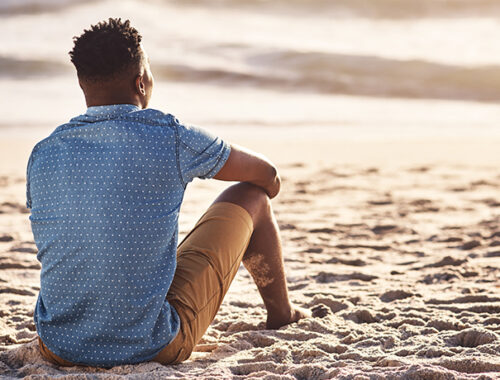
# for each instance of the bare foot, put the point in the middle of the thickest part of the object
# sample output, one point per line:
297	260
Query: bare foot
296	314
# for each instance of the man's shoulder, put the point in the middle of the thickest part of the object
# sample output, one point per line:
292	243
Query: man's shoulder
83	124
86	123
152	116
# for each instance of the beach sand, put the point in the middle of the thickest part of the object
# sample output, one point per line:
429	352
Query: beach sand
402	248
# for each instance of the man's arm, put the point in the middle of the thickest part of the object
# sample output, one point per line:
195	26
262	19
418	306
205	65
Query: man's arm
243	165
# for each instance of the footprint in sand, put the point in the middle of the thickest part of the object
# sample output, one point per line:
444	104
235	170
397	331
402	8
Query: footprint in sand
24	249
334	173
333	305
446	261
6	238
368	246
473	337
354	262
243	304
287	226
361	316
6	263
494	235
384	228
324	230
326	277
493	308
313	250
458	189
445	324
440	277
491	321
292	201
492	254
491	202
451	239
468	366
419	169
476	298
469	245
483	182
423	205
298	286
21	292
381	202
393	295
11	207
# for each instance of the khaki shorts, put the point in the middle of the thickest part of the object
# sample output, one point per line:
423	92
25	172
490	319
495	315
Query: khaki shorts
207	261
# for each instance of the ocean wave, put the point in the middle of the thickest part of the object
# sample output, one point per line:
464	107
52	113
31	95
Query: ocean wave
9	7
391	9
315	72
350	75
30	68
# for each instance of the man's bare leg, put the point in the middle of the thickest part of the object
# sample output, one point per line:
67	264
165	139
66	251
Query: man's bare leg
263	258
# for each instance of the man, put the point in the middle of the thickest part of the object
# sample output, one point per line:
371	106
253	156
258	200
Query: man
105	191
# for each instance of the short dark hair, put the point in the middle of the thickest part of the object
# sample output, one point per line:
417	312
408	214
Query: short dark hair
106	49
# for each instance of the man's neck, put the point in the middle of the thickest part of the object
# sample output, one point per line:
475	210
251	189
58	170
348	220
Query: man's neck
110	92
93	101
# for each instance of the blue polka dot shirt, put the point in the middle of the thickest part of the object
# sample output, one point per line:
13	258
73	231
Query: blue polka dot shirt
105	191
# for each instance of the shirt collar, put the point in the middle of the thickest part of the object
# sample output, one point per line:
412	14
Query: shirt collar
97	114
110	111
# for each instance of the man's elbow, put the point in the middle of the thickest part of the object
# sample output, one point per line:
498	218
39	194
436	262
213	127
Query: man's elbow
274	182
273	173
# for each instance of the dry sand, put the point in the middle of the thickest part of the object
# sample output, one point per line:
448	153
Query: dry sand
405	256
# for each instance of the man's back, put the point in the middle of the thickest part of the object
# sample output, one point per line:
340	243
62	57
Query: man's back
105	192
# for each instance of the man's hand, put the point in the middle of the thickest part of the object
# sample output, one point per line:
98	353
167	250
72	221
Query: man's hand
243	165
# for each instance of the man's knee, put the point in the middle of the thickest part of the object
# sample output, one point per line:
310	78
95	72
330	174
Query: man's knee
252	198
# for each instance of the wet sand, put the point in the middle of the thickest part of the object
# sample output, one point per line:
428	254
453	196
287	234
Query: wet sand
403	251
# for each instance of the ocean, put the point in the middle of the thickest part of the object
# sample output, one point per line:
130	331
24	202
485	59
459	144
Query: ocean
251	63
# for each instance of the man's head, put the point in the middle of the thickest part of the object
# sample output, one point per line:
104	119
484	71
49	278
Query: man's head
111	64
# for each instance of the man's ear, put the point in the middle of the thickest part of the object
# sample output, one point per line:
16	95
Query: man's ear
139	85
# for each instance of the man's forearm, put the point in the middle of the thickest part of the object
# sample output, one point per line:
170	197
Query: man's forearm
243	165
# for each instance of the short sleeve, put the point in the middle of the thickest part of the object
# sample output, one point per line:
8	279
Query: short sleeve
200	154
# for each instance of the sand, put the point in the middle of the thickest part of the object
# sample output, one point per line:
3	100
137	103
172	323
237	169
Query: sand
402	253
